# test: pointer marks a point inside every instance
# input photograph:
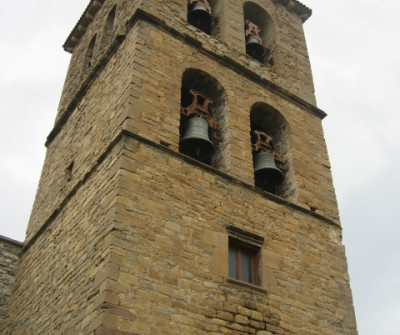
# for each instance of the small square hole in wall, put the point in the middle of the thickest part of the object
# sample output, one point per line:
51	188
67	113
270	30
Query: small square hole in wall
68	172
244	256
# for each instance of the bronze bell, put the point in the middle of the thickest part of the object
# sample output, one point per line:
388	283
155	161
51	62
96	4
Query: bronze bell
196	142
200	17
254	48
267	175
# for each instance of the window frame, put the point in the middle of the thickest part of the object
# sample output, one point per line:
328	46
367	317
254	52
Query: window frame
240	249
241	242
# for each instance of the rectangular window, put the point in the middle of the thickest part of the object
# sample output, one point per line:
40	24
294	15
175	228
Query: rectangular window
244	255
243	261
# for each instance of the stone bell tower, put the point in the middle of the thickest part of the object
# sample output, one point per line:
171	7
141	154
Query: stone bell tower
187	187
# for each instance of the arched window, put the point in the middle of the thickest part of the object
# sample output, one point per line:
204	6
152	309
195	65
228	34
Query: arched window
205	15
89	53
259	33
269	137
202	122
109	26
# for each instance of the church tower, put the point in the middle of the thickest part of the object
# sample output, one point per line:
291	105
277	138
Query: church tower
186	187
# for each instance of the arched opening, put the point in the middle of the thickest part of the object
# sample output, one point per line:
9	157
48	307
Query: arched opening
259	33
109	26
89	53
269	137
205	15
202	122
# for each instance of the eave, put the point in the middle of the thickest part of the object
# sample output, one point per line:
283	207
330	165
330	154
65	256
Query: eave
80	28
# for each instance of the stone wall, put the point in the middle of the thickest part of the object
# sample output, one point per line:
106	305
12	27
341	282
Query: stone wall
9	253
60	281
171	247
93	125
142	248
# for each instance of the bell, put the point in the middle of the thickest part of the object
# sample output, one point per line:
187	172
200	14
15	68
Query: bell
254	48
267	175
196	142
200	17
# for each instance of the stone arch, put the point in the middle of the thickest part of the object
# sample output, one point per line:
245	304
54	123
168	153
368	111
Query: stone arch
109	26
90	52
200	81
260	17
265	118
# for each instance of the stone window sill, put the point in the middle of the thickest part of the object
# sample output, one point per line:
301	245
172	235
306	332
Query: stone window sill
245	285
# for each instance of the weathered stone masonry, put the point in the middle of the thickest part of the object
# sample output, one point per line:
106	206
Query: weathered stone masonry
129	236
9	253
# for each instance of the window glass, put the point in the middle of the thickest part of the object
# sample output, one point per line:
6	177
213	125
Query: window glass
243	261
232	262
246	260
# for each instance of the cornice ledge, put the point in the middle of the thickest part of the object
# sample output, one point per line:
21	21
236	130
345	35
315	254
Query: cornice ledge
80	28
11	241
297	7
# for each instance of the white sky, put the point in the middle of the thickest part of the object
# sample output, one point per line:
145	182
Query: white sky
354	51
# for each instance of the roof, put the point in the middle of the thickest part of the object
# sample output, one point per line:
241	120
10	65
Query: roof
296	6
11	241
80	28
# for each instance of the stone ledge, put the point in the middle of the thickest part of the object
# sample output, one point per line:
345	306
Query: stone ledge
11	241
245	285
245	236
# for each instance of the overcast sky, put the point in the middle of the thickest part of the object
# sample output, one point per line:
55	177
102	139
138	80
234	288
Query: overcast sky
354	50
